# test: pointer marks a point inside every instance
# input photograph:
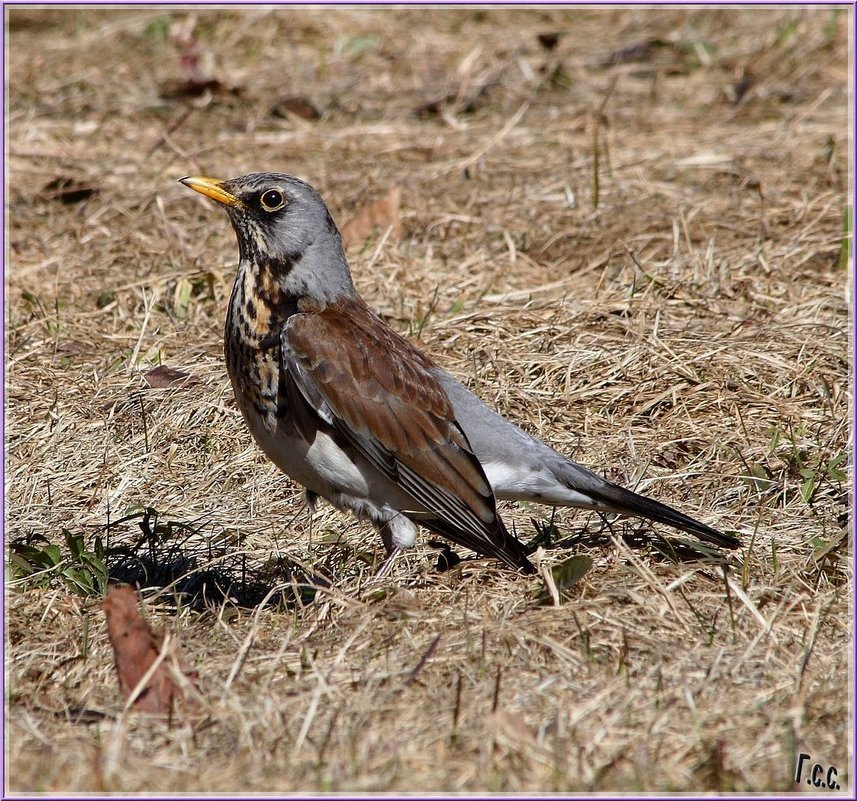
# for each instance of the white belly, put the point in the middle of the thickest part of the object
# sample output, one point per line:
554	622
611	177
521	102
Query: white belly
346	479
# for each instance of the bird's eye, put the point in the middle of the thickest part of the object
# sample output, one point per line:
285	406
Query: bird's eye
272	200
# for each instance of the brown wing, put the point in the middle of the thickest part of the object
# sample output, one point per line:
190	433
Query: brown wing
375	388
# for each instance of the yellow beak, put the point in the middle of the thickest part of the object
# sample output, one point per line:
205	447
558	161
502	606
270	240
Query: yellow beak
211	187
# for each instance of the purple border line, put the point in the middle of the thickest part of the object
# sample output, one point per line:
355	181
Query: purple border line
454	5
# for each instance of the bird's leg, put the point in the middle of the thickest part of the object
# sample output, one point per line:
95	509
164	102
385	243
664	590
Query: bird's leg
311	499
388	536
397	533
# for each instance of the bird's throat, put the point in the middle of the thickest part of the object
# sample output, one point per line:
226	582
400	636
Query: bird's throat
258	306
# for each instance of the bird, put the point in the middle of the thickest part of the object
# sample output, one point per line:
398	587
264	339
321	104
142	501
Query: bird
358	415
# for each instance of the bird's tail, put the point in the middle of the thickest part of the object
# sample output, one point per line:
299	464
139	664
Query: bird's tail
612	498
605	496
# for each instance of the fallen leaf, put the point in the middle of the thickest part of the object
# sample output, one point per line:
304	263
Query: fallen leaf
467	99
566	574
175	89
563	577
296	105
162	376
135	650
549	41
66	189
382	213
73	347
638	52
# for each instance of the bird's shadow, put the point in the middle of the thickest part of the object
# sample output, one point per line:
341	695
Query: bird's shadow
636	534
203	569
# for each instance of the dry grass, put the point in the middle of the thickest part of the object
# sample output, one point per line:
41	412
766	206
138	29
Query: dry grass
687	333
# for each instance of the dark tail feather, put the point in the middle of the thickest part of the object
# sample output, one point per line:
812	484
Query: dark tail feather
624	501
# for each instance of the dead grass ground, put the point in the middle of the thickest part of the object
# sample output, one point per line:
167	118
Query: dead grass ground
687	329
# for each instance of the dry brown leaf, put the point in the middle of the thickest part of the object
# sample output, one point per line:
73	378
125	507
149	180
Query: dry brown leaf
162	376
550	40
381	213
73	347
67	189
468	98
176	90
136	647
298	105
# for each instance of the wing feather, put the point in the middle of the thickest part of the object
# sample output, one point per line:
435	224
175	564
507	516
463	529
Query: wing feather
377	390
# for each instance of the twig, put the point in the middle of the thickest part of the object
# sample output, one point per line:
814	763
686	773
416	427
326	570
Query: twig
423	660
460	166
599	116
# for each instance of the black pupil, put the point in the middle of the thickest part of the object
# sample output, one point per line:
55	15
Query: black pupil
272	198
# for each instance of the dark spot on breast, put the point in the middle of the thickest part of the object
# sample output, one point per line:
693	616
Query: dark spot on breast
283	266
250	308
269	341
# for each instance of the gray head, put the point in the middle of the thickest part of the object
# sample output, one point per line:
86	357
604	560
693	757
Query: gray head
285	230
